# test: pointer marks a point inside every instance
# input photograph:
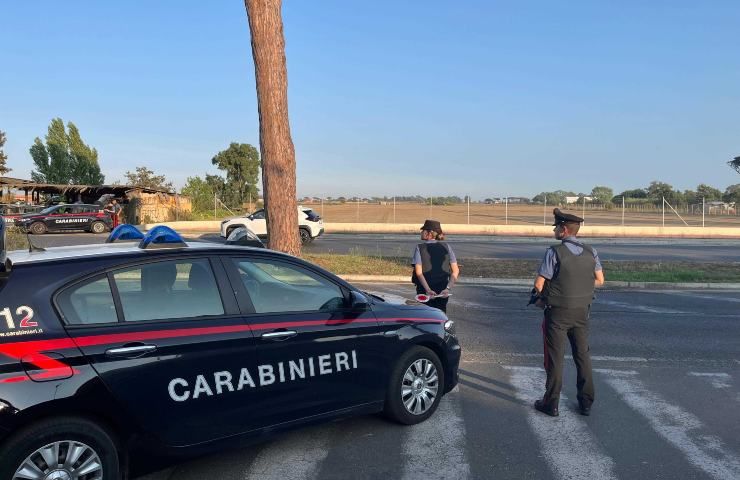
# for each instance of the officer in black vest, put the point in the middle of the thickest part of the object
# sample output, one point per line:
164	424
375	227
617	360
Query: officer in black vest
565	282
435	266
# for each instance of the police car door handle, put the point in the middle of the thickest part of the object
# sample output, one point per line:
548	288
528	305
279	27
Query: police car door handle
133	350
280	335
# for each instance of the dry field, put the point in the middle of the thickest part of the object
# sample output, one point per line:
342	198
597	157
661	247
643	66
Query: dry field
517	215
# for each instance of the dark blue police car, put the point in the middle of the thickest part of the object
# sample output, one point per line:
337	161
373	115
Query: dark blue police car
67	217
114	352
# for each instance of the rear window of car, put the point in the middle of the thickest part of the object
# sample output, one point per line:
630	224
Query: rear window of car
311	215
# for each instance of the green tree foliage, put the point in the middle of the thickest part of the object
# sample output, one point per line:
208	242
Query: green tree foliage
65	158
4	170
241	162
143	177
553	198
732	194
602	194
735	163
200	193
708	193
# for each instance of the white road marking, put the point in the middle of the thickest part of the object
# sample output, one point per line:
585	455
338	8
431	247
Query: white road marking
679	427
639	308
295	457
435	449
718	380
566	442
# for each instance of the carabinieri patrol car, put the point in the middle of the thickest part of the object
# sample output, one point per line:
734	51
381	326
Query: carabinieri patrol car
65	217
129	349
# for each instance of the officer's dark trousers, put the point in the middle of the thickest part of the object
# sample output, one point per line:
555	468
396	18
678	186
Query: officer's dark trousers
571	323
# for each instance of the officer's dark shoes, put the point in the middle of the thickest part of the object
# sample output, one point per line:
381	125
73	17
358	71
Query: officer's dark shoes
546	409
584	409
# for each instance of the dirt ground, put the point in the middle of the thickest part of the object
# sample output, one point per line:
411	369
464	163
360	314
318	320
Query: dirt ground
499	214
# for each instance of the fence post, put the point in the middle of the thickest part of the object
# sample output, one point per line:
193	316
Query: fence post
468	209
703	206
358	209
506	200
662	207
584	210
544	213
623	210
394	210
214	207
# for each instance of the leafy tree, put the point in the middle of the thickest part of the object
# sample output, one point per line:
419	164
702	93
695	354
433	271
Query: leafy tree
553	198
65	158
602	194
4	170
278	153
735	163
143	177
732	194
659	190
200	193
241	162
636	193
708	193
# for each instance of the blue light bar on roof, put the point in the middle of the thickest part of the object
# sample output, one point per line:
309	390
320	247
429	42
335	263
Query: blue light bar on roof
162	236
123	233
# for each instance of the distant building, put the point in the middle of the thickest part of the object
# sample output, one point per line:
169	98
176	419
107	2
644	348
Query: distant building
576	199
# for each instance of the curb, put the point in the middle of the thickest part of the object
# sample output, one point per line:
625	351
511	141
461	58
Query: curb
524	282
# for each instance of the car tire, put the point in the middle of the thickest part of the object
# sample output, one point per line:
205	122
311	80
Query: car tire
306	237
415	387
91	442
98	227
38	228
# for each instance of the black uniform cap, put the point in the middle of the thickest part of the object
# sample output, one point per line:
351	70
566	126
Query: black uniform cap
432	226
561	218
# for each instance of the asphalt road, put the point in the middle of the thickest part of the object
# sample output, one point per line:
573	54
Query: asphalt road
667	375
485	247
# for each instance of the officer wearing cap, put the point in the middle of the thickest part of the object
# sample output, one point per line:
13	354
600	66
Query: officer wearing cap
435	265
565	282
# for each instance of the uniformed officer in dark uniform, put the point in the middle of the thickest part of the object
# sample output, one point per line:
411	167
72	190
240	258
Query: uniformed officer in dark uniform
435	266
565	282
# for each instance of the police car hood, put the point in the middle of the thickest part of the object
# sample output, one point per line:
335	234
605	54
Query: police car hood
392	299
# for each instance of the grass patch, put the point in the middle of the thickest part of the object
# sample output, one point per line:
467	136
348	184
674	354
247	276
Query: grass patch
627	271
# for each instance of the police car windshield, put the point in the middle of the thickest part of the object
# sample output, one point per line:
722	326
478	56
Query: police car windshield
48	210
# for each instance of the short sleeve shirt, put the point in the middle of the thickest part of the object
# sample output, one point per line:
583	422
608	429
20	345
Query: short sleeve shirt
416	256
549	266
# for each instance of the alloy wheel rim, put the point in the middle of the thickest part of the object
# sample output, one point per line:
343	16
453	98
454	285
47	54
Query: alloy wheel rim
419	386
62	460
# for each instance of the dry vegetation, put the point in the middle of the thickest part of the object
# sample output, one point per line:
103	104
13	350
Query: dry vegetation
517	215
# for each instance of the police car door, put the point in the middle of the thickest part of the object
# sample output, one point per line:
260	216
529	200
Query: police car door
315	353
167	339
54	220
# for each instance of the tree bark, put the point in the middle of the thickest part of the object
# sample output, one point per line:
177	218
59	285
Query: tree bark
276	145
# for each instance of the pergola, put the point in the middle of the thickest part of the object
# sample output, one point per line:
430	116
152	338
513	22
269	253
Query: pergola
90	192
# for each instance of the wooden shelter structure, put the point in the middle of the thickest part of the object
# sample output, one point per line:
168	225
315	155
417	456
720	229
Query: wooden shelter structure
141	204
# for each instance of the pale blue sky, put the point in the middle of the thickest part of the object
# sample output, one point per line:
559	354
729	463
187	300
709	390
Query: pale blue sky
489	98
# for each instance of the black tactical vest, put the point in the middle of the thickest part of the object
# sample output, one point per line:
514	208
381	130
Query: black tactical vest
435	264
573	284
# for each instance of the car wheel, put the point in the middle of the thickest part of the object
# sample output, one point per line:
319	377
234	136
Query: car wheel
97	227
415	387
305	236
38	228
62	448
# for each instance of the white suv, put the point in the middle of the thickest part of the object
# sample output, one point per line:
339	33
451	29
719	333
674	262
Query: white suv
310	225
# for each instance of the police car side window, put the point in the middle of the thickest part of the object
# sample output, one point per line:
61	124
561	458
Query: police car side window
282	287
172	289
88	303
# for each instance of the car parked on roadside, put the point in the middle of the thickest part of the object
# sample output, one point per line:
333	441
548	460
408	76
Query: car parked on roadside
310	224
12	212
146	346
67	217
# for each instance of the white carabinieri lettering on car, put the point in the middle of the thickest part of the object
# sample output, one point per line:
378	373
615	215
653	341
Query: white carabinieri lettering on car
71	220
221	382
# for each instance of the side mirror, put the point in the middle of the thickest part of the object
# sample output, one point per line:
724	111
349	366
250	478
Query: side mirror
358	301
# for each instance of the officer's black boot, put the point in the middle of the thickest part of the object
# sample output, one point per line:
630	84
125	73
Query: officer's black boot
548	408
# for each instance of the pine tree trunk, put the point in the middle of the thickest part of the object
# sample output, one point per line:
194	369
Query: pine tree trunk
278	154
